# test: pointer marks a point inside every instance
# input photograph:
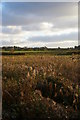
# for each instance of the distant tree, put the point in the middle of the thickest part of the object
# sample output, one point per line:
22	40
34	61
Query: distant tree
58	47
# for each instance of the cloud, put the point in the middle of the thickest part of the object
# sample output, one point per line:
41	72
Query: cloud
11	30
55	38
36	24
33	39
28	13
38	27
40	0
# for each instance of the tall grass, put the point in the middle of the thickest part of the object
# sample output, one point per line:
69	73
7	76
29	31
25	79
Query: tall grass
42	86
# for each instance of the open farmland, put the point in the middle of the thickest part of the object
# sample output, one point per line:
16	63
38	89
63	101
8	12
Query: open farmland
41	86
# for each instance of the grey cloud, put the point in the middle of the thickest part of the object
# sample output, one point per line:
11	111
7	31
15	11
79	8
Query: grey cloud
27	13
7	30
56	38
56	26
66	22
31	27
40	0
30	16
41	9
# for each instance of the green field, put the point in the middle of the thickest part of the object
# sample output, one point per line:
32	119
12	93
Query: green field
49	52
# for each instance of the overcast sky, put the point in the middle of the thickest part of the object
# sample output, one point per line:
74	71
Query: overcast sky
40	24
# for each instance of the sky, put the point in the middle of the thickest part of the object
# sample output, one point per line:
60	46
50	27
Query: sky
39	24
39	0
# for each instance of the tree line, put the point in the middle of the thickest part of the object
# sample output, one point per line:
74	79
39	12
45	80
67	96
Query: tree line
15	48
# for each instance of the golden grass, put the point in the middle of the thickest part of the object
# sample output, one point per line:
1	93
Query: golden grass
21	74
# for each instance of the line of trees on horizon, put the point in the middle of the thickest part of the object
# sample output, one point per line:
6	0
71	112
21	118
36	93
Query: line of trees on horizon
16	48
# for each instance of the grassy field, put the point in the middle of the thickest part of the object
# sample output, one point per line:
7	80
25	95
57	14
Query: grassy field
41	52
41	86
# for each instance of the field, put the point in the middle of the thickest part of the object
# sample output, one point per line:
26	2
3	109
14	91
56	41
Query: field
41	52
41	86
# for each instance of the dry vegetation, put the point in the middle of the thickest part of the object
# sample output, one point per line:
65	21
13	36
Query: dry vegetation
41	86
